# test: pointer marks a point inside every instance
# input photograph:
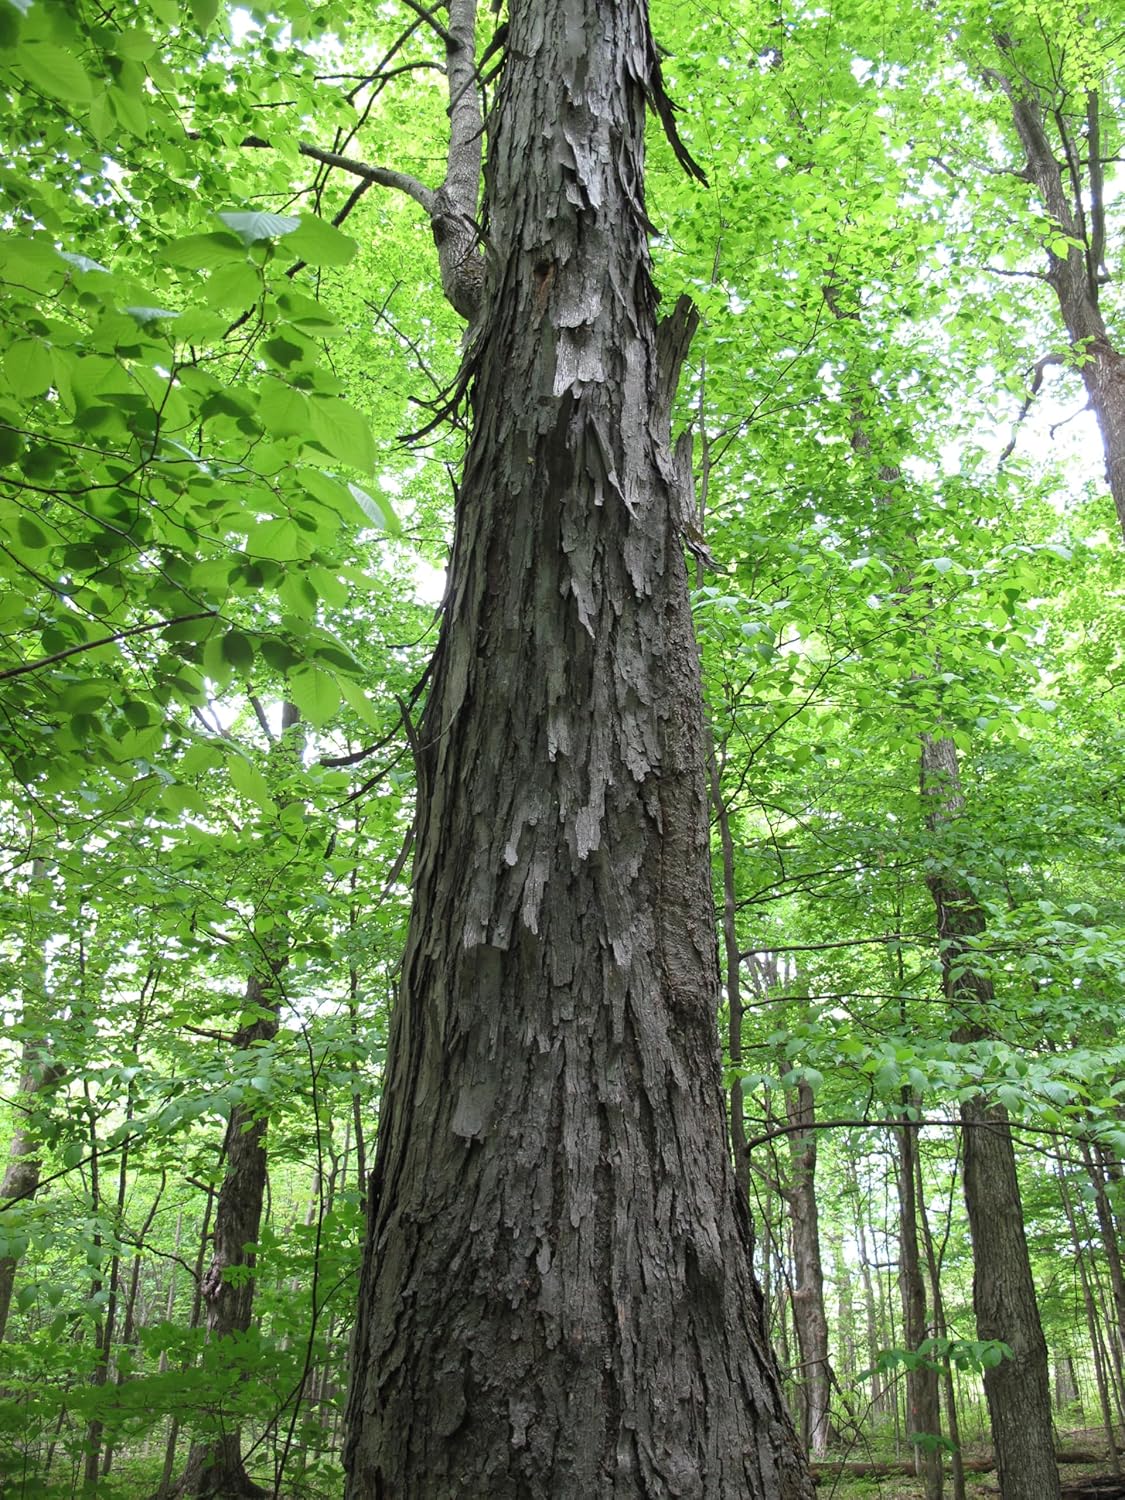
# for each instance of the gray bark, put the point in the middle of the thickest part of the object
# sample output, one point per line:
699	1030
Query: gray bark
214	1465
809	1316
39	1075
557	1297
1075	277
923	1415
1018	1389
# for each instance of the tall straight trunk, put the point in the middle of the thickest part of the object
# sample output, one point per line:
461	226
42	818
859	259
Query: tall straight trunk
38	1076
557	1296
214	1466
1107	1229
164	1488
1092	1325
845	1315
923	1416
941	1331
809	1316
1075	277
1018	1389
870	1309
732	977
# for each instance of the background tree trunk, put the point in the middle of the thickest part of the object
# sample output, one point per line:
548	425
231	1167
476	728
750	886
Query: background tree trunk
923	1416
38	1076
809	1316
1076	277
557	1297
1018	1389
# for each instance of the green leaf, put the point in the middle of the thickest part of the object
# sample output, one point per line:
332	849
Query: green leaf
250	783
238	650
29	367
342	431
255	224
360	702
376	511
283	410
83	262
316	694
146	315
203	252
204	12
55	71
321	244
237	286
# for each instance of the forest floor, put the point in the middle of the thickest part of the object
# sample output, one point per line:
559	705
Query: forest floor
1076	1477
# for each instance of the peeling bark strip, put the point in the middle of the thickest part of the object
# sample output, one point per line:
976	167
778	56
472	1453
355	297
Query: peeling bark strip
557	1298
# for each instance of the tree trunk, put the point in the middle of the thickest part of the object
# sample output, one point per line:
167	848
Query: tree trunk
1018	1389
214	1465
38	1076
871	1314
557	1297
923	1418
941	1331
1077	276
1091	1324
809	1316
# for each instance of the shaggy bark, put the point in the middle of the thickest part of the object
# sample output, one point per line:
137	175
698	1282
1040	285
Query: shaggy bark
1018	1389
557	1297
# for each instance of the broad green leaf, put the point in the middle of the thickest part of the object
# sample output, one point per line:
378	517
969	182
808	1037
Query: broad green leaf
376	511
342	431
29	367
319	243
235	286
251	783
146	315
360	702
255	224
55	71
204	12
238	650
283	410
316	693
83	262
203	252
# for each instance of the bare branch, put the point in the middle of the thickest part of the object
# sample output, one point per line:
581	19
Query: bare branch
431	20
1037	380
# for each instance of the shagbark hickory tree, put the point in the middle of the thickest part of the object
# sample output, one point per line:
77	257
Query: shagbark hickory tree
557	1297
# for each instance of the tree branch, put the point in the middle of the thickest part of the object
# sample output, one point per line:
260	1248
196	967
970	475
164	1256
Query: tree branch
105	640
431	20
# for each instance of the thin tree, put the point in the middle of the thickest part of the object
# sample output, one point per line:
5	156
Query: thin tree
215	1465
40	1074
557	1297
1018	1389
1064	158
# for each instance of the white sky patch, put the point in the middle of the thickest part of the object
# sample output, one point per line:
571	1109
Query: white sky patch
429	582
